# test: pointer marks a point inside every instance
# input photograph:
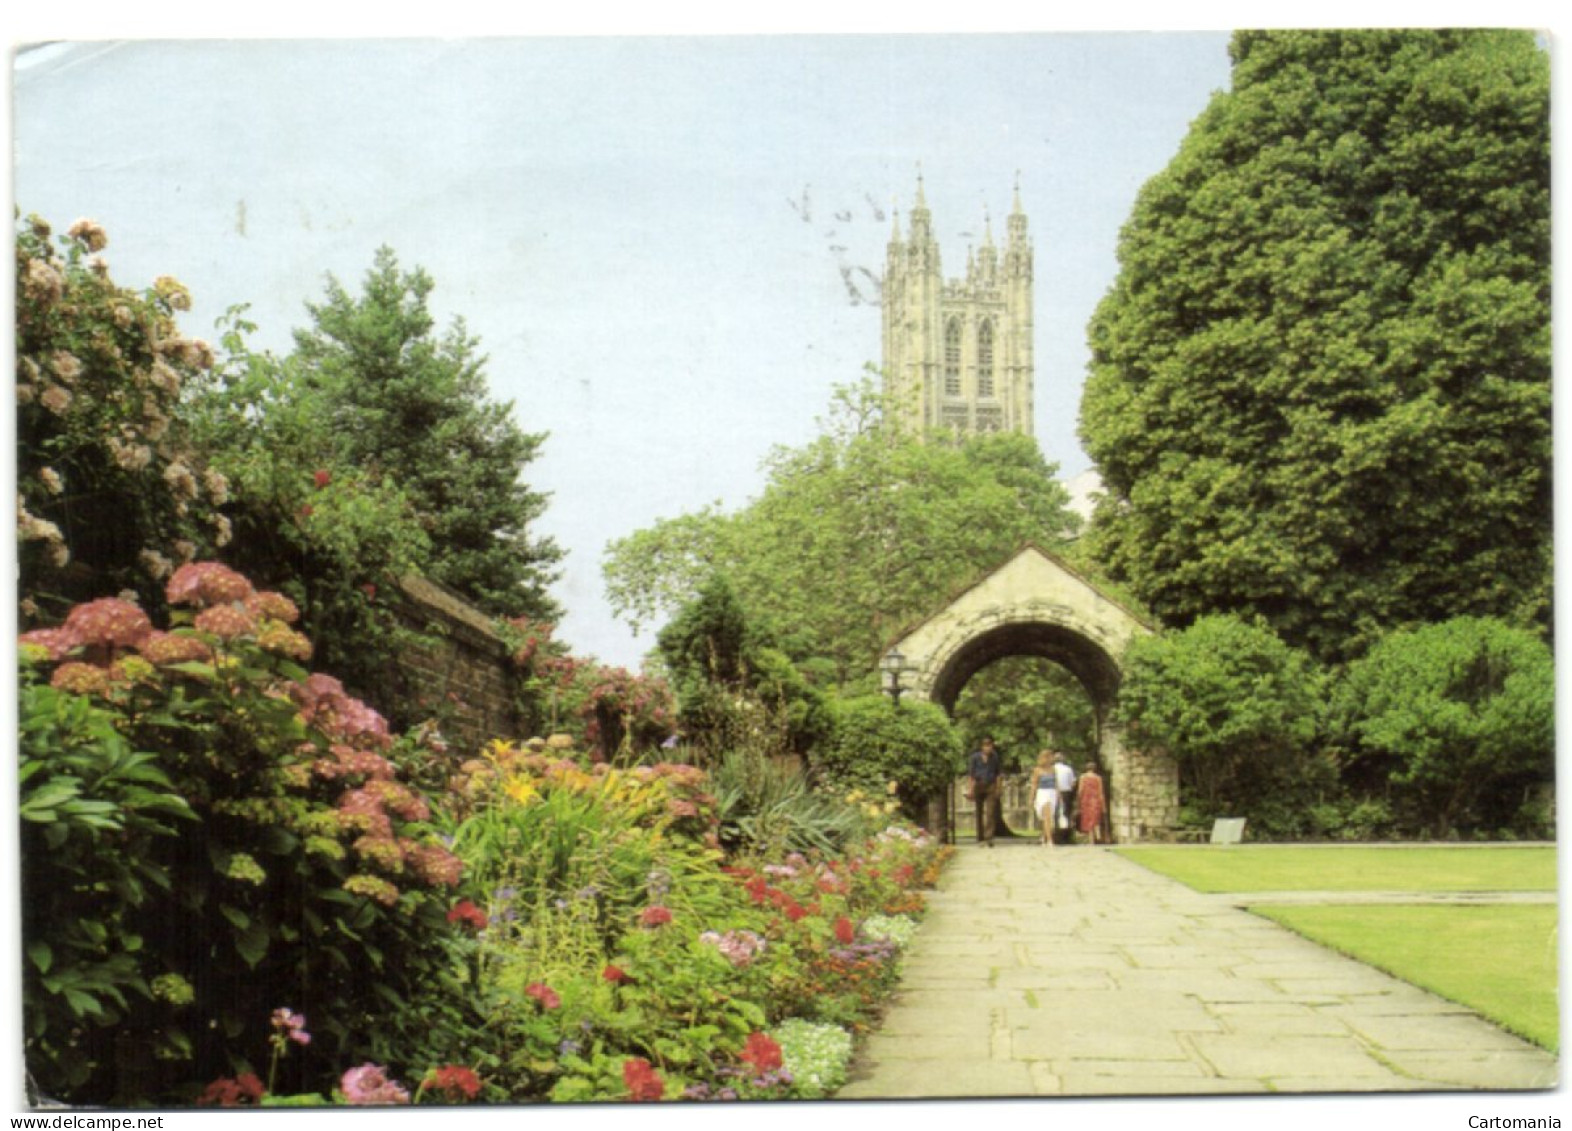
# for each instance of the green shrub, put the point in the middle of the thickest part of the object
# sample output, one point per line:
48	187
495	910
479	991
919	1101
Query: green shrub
767	810
91	808
1240	712
1459	716
309	872
877	742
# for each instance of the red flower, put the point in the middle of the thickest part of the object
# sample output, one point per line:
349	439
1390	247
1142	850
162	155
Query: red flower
306	511
643	1082
370	590
466	912
544	994
322	479
844	931
794	910
614	973
456	1083
761	1052
654	916
225	1092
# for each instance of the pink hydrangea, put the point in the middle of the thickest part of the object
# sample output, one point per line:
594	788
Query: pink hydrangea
267	603
207	583
58	642
281	639
359	721
80	679
172	648
402	800
109	621
433	864
365	810
347	761
383	851
370	1085
225	622
324	704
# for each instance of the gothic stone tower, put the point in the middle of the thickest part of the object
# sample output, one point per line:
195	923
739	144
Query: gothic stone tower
958	352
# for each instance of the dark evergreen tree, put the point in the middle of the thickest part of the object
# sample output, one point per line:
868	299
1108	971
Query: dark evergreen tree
407	406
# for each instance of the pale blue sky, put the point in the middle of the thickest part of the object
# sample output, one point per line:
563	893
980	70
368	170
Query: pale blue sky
650	236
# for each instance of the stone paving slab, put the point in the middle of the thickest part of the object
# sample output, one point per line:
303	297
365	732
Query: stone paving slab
1111	980
1327	1058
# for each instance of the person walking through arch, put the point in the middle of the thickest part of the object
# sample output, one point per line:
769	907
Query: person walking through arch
985	768
1046	797
1092	806
1064	789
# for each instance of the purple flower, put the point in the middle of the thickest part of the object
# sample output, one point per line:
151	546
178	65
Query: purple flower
292	1025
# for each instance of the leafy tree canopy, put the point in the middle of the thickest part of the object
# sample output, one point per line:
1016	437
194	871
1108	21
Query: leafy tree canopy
856	534
1320	386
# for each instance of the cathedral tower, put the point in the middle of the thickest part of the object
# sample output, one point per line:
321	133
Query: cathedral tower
958	352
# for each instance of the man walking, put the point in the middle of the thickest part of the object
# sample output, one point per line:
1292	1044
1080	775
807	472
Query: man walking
1064	785
985	768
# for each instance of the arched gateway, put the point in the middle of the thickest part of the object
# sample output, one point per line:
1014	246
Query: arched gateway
1036	605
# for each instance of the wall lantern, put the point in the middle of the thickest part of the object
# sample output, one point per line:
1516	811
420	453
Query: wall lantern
892	665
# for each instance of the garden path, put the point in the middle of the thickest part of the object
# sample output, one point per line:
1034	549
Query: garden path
1072	971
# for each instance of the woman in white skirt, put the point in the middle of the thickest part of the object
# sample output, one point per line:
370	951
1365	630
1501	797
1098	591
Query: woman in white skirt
1046	799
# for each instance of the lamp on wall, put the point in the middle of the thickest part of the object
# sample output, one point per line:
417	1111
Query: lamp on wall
892	664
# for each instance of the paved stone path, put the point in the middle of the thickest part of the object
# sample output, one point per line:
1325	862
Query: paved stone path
1072	971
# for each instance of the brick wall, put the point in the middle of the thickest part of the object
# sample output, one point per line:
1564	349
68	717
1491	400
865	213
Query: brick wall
464	676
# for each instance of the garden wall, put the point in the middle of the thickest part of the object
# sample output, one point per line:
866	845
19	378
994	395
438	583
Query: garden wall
464	675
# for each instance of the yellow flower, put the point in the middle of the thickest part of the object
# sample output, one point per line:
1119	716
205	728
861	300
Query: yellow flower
892	788
499	750
521	790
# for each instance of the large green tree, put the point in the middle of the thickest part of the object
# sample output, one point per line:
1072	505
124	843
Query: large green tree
1320	386
411	407
857	533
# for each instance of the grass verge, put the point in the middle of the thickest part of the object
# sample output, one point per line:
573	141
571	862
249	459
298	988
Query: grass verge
1499	961
1420	868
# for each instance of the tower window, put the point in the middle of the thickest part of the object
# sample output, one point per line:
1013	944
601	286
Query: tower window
985	360
952	358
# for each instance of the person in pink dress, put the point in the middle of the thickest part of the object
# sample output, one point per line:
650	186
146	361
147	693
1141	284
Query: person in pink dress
1092	804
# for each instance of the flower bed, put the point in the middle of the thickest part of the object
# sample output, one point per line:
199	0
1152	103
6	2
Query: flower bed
670	970
544	929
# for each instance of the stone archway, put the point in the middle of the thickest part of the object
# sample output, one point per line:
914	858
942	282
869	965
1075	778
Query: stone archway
1037	605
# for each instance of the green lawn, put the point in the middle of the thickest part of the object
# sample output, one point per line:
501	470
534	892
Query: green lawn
1499	961
1270	867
